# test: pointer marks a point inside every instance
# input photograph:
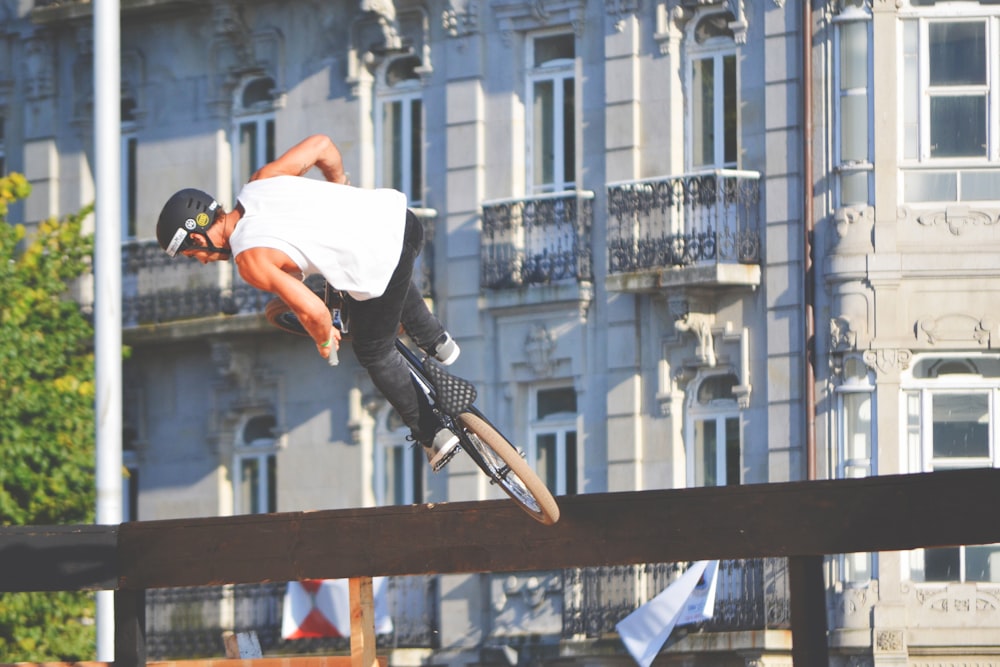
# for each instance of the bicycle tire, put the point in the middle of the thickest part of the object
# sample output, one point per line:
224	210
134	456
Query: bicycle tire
512	473
280	315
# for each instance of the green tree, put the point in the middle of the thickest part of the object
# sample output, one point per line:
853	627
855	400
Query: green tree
46	418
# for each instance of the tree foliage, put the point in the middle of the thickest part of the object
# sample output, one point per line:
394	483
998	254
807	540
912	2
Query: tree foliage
46	418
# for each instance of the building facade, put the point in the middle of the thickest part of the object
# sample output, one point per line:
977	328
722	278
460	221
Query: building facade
681	243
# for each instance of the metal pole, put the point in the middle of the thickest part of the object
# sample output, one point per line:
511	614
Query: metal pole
107	291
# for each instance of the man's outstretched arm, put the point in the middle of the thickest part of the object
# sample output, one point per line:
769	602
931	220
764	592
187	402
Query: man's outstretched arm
316	151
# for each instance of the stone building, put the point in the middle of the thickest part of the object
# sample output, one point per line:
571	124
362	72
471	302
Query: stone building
681	243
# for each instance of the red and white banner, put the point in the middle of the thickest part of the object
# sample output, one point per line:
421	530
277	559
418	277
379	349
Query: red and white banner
322	608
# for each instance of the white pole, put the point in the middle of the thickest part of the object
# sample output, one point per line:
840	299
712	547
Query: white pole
107	291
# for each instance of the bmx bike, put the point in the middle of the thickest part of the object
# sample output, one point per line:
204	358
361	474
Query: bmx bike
451	399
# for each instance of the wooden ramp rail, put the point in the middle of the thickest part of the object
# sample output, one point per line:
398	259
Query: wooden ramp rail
800	520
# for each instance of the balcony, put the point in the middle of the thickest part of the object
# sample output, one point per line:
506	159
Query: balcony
537	610
157	289
189	622
695	230
751	594
59	11
543	240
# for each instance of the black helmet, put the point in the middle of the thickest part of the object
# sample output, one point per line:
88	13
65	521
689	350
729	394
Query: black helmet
187	212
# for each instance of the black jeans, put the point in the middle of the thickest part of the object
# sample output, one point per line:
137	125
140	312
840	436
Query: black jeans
374	325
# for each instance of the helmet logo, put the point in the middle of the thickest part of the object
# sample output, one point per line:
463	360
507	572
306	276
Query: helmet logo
201	219
189	224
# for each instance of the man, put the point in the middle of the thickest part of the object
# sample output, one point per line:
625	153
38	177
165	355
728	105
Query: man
286	227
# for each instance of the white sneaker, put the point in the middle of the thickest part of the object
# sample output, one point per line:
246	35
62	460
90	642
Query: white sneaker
441	449
445	349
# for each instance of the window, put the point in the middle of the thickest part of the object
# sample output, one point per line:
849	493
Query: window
129	167
950	105
398	464
856	454
952	411
255	467
552	447
253	135
713	437
713	112
399	133
852	106
552	114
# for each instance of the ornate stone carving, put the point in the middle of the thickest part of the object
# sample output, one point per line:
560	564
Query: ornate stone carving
39	70
843	337
886	360
700	324
957	218
524	15
957	327
620	9
538	348
888	641
461	22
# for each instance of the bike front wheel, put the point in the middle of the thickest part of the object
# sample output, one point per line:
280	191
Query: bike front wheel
504	465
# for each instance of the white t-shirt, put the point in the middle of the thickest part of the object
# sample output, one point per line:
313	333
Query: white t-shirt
350	235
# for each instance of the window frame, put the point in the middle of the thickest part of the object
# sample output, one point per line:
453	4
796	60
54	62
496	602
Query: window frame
717	49
924	178
408	94
263	452
565	480
721	412
558	72
262	151
918	435
851	167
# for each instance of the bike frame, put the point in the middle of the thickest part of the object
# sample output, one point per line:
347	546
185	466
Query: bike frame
417	371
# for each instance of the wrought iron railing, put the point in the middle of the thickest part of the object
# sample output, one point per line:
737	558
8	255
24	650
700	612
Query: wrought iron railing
698	218
158	289
189	622
750	595
537	240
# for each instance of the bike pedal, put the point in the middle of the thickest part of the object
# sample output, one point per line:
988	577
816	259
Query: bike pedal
447	458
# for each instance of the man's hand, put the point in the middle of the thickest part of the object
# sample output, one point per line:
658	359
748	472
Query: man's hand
328	349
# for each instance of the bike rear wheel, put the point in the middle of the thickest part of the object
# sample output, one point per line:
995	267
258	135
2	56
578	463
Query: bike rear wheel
504	465
280	315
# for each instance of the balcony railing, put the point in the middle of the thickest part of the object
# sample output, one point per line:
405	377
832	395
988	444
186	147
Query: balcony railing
694	219
158	289
189	622
537	240
750	595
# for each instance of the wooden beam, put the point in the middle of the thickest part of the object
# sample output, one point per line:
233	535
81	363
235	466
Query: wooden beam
886	513
58	558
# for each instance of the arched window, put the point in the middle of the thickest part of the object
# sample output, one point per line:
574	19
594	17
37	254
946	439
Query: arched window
253	128
255	466
713	432
399	132
952	413
713	99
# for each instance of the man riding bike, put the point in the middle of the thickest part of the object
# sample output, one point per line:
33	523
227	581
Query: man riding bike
286	227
